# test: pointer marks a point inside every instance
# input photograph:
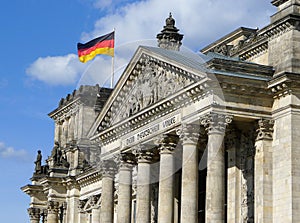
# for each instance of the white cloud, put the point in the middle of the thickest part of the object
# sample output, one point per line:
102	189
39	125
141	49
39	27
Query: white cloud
201	22
59	70
10	152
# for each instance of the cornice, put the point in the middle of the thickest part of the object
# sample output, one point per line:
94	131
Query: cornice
253	49
88	177
242	31
65	111
32	189
284	84
278	2
280	27
50	182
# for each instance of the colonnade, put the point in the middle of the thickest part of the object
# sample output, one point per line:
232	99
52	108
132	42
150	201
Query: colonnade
142	157
189	137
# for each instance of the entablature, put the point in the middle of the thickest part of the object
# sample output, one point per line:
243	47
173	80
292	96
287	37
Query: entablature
285	84
88	177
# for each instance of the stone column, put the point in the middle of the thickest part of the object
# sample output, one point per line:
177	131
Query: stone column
34	214
95	209
234	175
125	162
144	159
215	180
53	208
166	179
189	135
263	172
108	169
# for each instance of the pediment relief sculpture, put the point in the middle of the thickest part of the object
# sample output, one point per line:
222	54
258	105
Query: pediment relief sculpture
150	82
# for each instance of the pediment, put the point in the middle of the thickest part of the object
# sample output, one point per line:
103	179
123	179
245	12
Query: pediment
149	78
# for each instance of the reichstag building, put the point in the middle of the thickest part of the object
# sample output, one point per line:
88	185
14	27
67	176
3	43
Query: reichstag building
209	137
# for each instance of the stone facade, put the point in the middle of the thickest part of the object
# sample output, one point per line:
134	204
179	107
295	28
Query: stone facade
182	139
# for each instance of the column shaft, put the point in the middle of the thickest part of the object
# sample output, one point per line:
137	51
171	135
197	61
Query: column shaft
143	192
124	198
107	205
189	193
215	180
215	185
166	188
108	168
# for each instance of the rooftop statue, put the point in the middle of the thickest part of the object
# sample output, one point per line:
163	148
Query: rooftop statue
38	163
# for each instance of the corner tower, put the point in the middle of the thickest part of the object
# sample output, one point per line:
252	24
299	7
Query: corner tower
169	38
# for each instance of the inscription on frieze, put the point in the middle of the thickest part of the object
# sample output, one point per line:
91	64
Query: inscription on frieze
152	130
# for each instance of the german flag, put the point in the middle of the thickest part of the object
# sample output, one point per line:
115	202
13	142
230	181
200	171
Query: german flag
101	45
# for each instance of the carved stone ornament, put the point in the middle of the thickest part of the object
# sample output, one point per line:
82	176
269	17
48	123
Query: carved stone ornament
108	168
53	207
167	144
125	160
215	122
142	154
94	201
265	129
189	133
150	82
34	213
81	205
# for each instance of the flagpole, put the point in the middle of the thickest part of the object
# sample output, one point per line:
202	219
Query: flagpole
112	67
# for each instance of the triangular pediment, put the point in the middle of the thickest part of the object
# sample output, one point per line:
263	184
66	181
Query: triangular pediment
152	75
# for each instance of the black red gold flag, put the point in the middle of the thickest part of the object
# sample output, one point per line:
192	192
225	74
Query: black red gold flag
101	45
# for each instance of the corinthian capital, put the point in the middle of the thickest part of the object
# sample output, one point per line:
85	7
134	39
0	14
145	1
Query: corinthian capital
108	168
125	160
265	129
53	207
143	154
189	133
34	213
167	143
215	122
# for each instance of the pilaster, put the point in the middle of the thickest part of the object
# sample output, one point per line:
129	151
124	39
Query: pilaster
234	175
263	172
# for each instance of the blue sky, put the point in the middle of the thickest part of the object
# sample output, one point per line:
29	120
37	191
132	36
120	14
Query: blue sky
39	65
